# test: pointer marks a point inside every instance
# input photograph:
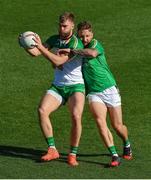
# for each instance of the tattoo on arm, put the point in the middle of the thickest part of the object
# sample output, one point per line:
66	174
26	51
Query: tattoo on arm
85	52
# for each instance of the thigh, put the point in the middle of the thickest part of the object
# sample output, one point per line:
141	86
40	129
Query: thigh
115	115
99	110
49	103
76	102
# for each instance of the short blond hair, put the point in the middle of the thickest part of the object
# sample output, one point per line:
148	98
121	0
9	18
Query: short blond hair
66	16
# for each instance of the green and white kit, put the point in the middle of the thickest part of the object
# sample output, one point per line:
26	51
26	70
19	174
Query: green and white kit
99	81
71	72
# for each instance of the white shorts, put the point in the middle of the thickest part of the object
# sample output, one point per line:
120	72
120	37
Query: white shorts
110	97
56	95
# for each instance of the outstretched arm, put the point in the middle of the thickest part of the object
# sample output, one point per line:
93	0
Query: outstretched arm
88	52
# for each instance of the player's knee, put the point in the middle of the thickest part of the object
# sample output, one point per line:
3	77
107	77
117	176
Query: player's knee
76	119
118	127
76	116
42	112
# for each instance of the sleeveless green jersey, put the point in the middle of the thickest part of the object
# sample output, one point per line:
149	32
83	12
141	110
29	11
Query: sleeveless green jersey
96	72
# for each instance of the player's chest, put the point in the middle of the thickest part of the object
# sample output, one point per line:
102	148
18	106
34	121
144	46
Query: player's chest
61	44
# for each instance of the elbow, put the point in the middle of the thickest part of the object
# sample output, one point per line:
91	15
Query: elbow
58	61
33	54
55	63
58	64
36	54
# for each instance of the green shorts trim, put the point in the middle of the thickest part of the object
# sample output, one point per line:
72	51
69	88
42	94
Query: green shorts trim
66	91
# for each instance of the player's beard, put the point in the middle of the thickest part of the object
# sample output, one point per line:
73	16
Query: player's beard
65	35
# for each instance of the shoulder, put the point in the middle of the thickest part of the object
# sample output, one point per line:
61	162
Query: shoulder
96	45
76	42
52	38
93	43
52	41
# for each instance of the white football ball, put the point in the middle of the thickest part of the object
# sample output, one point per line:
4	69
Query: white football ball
26	39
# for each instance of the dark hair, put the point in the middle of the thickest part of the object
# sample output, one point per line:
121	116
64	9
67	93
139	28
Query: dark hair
66	16
84	25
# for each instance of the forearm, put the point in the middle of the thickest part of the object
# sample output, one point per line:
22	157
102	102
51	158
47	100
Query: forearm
55	59
85	52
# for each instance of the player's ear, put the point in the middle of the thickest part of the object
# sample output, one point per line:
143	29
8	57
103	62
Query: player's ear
72	26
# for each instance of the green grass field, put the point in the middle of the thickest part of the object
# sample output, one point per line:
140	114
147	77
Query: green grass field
124	28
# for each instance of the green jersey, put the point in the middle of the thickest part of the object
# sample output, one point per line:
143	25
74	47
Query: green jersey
71	72
55	42
96	72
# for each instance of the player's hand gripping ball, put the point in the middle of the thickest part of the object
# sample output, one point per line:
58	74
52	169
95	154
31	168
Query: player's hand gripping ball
26	39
